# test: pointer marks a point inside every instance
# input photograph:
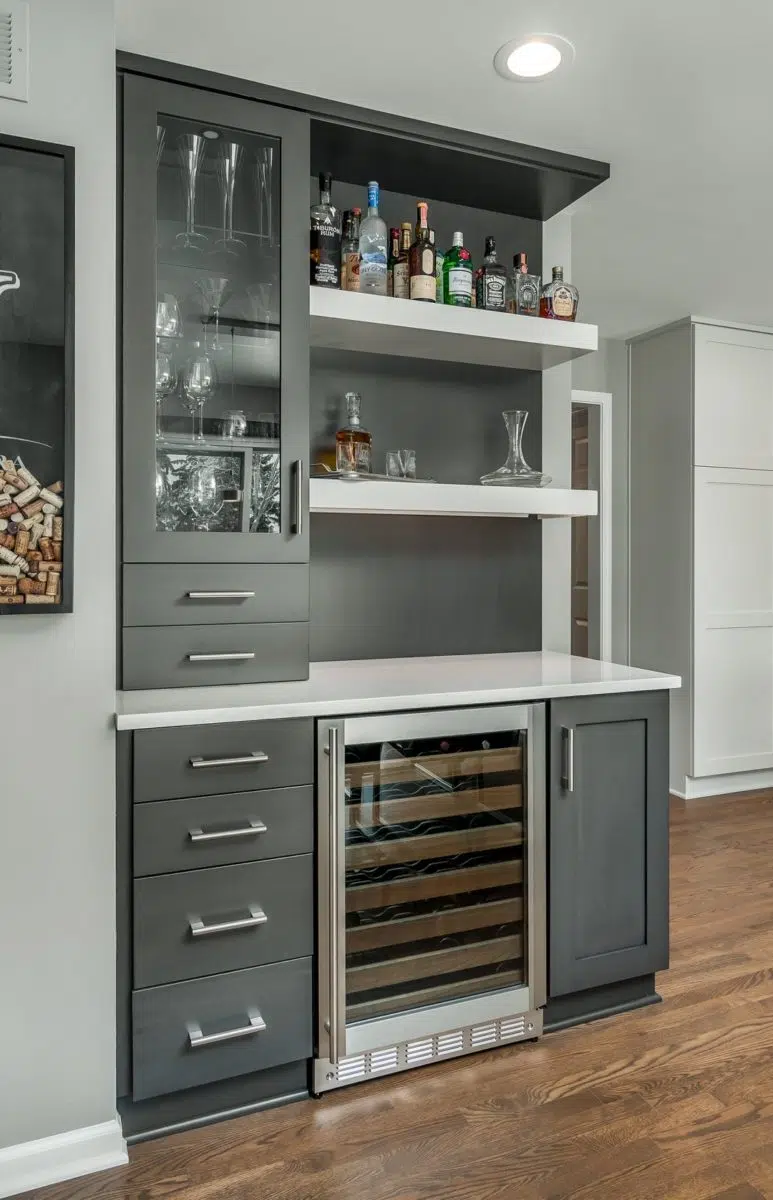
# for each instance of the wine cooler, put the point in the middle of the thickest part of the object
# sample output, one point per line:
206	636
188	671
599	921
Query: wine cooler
431	841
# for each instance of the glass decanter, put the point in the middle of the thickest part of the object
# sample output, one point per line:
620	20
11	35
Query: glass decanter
516	472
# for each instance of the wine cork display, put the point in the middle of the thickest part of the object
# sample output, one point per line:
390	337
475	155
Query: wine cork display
32	516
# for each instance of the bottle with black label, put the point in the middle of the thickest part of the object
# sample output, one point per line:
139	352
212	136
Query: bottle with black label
325	239
490	280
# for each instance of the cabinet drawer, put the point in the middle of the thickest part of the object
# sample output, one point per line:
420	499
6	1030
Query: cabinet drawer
174	1027
205	594
202	655
204	760
200	922
212	831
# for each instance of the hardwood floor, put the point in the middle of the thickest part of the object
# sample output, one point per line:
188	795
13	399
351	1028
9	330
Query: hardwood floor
673	1102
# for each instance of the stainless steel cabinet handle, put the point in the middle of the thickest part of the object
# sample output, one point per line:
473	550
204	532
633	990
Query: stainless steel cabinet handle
298	514
567	759
219	595
220	835
239	760
333	767
221	657
256	917
196	1038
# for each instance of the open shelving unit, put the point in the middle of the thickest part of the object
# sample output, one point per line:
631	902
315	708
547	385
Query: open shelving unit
383	497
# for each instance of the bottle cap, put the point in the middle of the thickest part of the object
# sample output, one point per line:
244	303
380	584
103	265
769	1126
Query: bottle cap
394	232
491	245
458	239
356	212
325	181
520	262
353	407
422	209
558	272
372	194
406	225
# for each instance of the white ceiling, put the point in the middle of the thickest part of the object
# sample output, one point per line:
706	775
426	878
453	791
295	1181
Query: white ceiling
677	96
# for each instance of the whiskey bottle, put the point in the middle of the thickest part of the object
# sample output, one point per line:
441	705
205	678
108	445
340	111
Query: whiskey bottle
523	289
394	252
559	300
325	239
457	274
423	283
401	269
373	247
353	443
490	280
350	251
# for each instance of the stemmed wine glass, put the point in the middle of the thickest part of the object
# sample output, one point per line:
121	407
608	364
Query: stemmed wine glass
190	150
204	492
169	323
166	382
228	160
198	386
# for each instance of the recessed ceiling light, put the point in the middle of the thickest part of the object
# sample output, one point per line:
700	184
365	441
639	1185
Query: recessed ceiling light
210	134
529	59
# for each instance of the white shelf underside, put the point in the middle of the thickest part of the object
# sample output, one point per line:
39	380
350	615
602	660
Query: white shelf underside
376	497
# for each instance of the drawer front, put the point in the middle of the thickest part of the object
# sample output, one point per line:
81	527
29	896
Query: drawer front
206	760
202	655
172	1025
205	594
212	831
223	919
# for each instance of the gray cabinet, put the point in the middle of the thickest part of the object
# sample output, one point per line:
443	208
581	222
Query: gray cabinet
608	857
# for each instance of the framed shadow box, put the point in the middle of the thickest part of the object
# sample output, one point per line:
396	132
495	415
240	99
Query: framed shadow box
36	377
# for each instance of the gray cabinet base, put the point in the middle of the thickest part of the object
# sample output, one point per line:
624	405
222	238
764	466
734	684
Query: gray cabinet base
606	1001
162	1115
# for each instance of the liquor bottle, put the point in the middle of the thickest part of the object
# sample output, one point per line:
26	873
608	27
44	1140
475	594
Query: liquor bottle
394	254
325	240
439	260
423	283
559	300
523	289
401	288
350	251
373	248
353	443
457	274
490	280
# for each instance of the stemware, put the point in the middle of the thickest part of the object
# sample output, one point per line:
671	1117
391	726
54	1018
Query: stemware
166	382
198	386
234	424
516	472
264	166
213	290
204	492
190	150
160	139
228	160
168	320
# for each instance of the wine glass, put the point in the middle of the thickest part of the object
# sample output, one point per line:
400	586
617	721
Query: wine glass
168	320
166	382
204	493
198	387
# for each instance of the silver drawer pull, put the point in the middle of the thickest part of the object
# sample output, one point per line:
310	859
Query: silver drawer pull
221	657
220	595
256	917
196	1038
220	835
241	760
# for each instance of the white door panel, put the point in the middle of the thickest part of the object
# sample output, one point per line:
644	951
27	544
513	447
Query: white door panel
733	398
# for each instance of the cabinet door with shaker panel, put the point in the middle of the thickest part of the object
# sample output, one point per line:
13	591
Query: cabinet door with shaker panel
215	328
608	843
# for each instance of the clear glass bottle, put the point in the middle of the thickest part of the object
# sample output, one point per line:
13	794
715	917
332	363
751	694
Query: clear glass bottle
457	274
374	246
325	238
490	280
401	289
423	280
353	443
523	289
350	251
559	300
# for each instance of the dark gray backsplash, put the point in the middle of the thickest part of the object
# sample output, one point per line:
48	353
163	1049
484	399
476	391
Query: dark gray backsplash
386	587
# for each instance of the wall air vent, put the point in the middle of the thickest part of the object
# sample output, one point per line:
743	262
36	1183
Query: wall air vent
14	49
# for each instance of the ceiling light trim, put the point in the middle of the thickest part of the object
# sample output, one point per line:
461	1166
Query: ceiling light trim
561	44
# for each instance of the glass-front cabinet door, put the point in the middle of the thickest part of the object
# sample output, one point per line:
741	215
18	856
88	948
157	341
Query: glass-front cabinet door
215	322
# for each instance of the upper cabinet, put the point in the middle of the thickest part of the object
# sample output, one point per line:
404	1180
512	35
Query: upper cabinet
215	328
733	398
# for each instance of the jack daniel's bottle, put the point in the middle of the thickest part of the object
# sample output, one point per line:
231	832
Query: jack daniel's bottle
325	239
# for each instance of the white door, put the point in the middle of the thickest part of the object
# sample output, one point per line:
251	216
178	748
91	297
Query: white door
733	398
733	605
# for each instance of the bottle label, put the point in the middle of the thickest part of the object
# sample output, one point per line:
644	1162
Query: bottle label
428	262
350	271
372	195
459	283
491	292
325	256
373	268
423	287
527	298
362	456
562	301
401	281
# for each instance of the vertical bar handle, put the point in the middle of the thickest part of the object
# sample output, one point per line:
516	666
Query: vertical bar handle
333	749
298	513
567	758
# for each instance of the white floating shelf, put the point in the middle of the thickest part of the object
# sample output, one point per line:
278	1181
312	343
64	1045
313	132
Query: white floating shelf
447	499
383	325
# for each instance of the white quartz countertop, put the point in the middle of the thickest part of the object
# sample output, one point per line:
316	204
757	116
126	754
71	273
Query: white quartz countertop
390	685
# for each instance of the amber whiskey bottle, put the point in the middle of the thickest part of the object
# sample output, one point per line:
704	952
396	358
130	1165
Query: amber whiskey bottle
353	443
423	283
559	300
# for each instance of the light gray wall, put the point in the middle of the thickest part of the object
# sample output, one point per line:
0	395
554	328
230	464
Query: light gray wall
57	802
607	371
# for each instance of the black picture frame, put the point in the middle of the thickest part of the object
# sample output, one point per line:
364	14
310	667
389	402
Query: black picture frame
37	337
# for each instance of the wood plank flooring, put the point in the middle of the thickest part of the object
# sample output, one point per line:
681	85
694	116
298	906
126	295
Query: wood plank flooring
673	1102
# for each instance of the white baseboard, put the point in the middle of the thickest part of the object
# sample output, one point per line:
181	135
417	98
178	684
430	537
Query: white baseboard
64	1156
723	785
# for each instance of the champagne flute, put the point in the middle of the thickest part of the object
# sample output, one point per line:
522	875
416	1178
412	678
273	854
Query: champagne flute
190	151
228	160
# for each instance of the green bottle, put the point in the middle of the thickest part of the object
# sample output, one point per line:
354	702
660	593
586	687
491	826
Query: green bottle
457	274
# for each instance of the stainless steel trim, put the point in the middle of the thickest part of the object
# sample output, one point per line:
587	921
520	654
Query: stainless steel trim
219	595
334	771
240	760
241	654
257	917
298	514
197	1039
436	723
252	829
567	758
536	851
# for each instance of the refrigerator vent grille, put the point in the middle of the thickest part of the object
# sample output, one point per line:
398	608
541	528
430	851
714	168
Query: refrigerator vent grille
384	1060
511	1027
484	1035
450	1043
419	1052
350	1069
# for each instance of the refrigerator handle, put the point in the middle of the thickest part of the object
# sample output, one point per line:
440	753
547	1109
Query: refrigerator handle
334	768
